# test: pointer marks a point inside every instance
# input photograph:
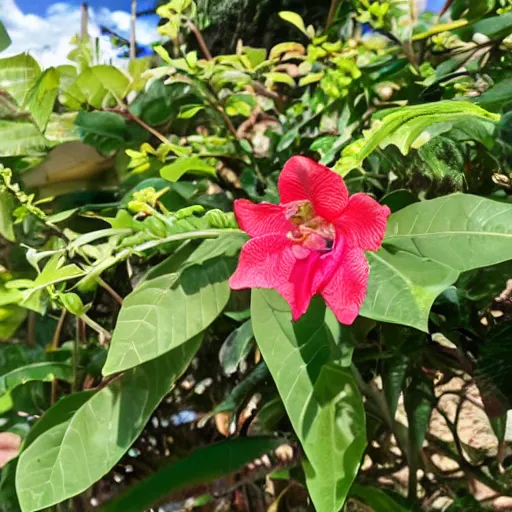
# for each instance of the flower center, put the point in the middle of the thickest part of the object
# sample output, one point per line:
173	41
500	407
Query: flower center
311	232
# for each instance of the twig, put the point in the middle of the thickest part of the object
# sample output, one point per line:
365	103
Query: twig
55	345
31	329
200	39
111	291
332	13
148	128
105	336
76	351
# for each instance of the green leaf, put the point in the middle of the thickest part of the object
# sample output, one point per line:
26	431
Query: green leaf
59	413
73	303
55	272
393	376
189	111
295	19
7	206
8	497
378	500
41	97
226	245
242	391
17	75
495	27
18	138
175	170
167	311
11	318
402	287
62	128
236	347
106	131
413	126
321	399
116	414
45	372
103	85
459	230
201	467
5	40
419	400
280	78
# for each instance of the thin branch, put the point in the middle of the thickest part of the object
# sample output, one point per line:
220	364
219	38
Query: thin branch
148	128
200	39
105	336
110	291
332	13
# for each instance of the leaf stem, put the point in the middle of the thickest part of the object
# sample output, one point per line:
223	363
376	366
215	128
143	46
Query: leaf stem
104	334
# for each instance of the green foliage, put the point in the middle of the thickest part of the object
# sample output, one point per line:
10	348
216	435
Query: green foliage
123	351
321	398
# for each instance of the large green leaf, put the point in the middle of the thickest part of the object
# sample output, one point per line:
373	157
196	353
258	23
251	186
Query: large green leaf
165	312
412	126
61	412
460	230
203	466
98	434
102	85
18	74
106	131
41	97
37	371
402	287
321	399
19	138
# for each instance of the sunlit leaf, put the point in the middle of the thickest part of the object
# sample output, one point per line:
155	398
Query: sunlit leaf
167	311
45	372
321	399
116	415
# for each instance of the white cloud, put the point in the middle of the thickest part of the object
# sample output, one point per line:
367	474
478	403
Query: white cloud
47	38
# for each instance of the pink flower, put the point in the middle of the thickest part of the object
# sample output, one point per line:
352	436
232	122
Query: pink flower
313	242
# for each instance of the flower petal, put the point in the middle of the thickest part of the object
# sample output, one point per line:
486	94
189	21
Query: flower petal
346	290
268	262
304	278
261	219
305	179
265	262
364	221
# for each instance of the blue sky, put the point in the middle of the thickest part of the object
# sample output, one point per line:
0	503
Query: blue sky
39	6
44	27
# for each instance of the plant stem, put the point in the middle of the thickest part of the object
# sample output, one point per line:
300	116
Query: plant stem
148	128
200	39
207	233
97	327
332	13
111	291
55	345
76	350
